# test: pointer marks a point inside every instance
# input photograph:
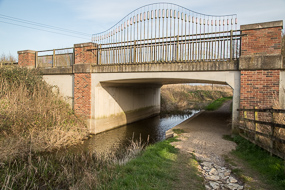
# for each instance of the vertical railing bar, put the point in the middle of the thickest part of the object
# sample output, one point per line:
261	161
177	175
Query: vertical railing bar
231	44
36	60
53	59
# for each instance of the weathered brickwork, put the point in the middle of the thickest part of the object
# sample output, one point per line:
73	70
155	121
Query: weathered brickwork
260	84
259	88
265	41
82	56
26	58
82	94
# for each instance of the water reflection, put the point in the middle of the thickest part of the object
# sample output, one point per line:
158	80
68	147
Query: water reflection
154	127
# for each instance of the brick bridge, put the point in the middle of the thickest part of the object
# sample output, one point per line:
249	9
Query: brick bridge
116	79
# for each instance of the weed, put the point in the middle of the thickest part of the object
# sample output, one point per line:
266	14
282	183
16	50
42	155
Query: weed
178	131
217	103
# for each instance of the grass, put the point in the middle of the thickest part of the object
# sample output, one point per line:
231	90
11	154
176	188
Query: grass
217	103
159	166
64	170
156	168
178	131
271	168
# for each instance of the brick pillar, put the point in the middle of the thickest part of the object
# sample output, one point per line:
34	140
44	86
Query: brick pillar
82	94
85	53
27	58
260	64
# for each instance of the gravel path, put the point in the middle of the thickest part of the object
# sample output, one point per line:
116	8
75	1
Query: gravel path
203	135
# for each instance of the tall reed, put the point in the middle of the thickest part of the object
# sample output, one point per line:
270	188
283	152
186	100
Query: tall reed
33	118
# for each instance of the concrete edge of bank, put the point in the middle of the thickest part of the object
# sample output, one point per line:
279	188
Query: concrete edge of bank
169	133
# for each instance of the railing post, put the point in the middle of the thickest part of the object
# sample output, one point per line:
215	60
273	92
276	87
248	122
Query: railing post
36	59
272	132
135	51
231	45
73	57
100	54
177	48
245	117
53	58
255	124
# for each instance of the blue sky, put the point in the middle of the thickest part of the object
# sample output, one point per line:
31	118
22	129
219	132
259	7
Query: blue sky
94	16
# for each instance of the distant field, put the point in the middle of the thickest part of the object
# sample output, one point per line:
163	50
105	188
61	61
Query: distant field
176	98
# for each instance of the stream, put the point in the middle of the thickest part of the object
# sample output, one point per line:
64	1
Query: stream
152	128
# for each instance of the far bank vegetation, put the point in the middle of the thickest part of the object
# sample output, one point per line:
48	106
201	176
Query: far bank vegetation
180	97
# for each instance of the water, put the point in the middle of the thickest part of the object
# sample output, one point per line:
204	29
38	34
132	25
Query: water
154	127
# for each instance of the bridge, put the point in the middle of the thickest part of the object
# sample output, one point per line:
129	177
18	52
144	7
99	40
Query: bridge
116	78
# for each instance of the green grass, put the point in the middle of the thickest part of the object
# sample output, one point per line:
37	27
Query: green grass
156	168
270	167
178	131
217	103
151	170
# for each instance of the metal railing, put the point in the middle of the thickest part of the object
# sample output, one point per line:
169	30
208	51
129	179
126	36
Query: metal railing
216	46
260	126
55	58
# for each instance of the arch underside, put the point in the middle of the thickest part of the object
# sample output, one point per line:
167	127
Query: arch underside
121	98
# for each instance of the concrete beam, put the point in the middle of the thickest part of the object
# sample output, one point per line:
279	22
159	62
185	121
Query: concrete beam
265	62
262	25
167	67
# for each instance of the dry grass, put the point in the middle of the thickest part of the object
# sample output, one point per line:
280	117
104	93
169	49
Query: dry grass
33	119
182	97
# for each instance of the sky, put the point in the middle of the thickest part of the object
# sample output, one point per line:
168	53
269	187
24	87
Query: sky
94	16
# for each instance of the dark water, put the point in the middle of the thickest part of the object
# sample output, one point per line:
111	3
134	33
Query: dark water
154	127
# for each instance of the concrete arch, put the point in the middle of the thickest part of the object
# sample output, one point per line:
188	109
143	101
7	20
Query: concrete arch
120	98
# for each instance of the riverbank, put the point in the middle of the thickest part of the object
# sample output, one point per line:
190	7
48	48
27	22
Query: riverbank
178	98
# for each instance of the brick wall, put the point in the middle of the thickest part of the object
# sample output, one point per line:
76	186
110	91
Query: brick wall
82	94
82	56
260	79
259	88
27	58
262	41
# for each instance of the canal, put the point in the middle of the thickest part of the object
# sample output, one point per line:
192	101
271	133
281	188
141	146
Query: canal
153	128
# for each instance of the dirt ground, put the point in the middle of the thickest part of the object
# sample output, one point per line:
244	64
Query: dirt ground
203	135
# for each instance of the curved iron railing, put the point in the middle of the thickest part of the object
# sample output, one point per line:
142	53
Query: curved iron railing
168	32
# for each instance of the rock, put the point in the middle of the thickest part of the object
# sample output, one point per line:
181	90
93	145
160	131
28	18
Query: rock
232	180
206	164
213	171
214	185
212	177
217	177
227	173
208	187
233	186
